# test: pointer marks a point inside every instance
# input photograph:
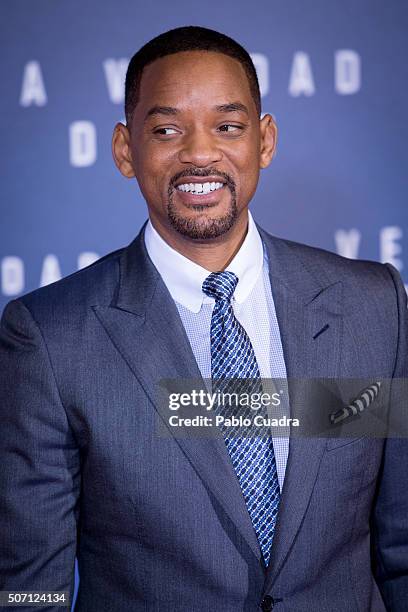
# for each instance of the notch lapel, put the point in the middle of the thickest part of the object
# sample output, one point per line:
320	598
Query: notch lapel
144	325
310	321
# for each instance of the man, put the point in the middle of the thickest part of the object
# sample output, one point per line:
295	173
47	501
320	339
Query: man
170	522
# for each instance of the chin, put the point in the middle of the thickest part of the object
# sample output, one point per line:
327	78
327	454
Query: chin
203	228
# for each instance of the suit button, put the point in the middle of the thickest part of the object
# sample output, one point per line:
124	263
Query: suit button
267	603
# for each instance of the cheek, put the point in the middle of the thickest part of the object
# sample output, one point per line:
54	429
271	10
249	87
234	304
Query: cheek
151	170
246	157
247	170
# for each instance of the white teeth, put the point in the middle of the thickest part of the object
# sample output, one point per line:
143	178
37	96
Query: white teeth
199	188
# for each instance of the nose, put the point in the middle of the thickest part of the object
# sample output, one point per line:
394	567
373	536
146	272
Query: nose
200	149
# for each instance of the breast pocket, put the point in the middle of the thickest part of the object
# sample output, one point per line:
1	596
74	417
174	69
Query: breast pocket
336	443
353	461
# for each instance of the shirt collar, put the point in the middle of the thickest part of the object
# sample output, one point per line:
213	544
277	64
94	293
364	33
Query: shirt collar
184	278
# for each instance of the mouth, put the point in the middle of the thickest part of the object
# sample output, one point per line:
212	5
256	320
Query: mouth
198	192
200	189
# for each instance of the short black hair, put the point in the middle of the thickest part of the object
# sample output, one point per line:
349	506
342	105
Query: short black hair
186	38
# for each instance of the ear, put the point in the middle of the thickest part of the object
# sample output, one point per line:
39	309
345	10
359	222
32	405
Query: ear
269	135
121	150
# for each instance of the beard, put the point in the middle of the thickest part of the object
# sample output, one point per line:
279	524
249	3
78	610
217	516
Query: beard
203	228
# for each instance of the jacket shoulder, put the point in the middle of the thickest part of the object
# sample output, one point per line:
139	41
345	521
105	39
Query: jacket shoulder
93	284
328	267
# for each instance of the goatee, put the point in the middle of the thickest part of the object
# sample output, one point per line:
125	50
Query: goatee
203	228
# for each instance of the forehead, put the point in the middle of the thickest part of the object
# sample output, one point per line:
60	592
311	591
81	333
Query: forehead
193	78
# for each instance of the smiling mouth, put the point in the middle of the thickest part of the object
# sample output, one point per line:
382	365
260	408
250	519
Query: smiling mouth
200	189
199	196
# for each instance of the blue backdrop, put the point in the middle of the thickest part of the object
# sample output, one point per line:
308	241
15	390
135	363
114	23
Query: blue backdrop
334	74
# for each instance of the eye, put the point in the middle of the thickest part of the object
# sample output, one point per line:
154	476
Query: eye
165	131
230	128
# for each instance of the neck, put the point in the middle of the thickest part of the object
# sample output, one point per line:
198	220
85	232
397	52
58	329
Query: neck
212	254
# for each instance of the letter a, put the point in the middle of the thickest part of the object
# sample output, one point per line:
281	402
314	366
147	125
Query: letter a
301	77
33	90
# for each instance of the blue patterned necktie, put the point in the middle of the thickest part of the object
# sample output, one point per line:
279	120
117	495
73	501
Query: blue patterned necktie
253	458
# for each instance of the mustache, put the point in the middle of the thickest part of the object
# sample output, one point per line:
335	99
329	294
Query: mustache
202	173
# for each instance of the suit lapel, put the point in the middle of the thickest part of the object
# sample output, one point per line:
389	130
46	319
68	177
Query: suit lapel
143	323
309	315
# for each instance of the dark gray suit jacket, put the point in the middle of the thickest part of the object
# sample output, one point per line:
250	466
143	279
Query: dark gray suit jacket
160	524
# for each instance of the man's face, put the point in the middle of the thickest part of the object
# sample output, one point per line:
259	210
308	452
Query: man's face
196	143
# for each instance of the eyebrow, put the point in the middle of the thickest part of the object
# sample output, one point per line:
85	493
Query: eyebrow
231	107
161	110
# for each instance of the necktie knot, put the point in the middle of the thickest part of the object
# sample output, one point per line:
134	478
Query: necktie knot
220	285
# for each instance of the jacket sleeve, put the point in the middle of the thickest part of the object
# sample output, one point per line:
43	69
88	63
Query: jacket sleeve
390	515
39	465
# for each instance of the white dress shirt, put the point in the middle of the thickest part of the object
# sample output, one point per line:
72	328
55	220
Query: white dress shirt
252	303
